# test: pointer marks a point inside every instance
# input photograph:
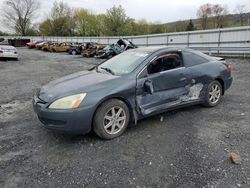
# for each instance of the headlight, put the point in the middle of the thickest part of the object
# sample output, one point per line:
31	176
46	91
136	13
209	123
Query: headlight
70	102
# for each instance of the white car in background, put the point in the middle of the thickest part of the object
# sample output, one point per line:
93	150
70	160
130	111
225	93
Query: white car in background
7	51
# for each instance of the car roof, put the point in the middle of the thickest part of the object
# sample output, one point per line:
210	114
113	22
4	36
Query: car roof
153	49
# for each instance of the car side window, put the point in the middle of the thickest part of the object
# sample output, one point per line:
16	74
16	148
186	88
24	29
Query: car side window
165	62
192	59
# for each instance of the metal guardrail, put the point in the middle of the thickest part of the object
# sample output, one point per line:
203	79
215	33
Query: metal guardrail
225	51
227	41
232	49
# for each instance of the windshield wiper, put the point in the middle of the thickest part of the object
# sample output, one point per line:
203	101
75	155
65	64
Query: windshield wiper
108	70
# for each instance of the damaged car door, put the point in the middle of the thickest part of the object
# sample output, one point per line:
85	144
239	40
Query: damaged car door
162	83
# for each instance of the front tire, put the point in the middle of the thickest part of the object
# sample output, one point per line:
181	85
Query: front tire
111	119
213	94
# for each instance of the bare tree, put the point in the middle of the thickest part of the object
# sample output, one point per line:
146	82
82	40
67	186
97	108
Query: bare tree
218	12
240	9
18	14
204	12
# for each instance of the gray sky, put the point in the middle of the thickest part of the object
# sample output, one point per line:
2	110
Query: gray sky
151	10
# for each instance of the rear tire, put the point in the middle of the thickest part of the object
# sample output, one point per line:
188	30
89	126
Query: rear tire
213	94
111	119
73	52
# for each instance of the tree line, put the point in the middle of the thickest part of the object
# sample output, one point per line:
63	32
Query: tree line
63	20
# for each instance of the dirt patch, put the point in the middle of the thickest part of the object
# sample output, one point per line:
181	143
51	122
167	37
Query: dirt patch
11	110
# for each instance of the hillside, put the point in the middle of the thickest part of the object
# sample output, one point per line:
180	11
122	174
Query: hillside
230	20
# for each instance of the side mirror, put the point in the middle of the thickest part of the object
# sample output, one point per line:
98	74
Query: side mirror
149	86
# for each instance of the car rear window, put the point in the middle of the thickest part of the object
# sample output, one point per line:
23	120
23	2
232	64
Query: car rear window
192	59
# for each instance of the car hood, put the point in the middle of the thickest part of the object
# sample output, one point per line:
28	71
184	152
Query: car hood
73	84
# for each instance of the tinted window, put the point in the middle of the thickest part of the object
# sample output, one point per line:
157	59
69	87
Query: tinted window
191	59
165	62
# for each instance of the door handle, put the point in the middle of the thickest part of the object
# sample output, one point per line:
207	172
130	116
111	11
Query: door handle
148	84
184	79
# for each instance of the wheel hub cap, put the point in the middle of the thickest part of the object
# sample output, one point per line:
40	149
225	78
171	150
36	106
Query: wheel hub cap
214	94
114	120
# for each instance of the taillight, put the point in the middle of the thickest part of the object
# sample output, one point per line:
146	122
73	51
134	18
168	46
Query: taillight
229	67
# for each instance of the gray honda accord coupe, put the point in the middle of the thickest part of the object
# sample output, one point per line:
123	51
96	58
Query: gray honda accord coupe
133	85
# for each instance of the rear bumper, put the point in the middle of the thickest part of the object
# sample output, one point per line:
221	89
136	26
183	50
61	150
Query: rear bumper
9	55
72	121
228	83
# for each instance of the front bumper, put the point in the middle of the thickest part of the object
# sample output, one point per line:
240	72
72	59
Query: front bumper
72	121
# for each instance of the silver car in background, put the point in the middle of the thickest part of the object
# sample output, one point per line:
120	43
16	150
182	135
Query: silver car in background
7	51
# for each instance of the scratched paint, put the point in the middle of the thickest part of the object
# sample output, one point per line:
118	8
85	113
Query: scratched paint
192	93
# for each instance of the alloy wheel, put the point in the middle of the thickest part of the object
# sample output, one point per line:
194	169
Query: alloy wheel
114	120
214	93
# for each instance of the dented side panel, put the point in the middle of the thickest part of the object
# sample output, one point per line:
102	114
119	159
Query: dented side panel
170	88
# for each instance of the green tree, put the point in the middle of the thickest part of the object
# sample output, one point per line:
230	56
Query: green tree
115	20
46	28
128	28
60	21
32	32
190	26
86	23
157	28
102	28
4	33
141	27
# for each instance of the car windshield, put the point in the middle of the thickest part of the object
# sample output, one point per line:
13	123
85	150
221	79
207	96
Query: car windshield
123	63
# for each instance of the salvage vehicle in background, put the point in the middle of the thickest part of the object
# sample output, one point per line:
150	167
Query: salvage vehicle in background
45	46
126	44
32	44
8	52
61	47
114	49
91	48
76	49
40	44
131	86
51	45
109	51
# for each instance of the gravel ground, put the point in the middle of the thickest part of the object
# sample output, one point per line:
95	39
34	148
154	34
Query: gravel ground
189	148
